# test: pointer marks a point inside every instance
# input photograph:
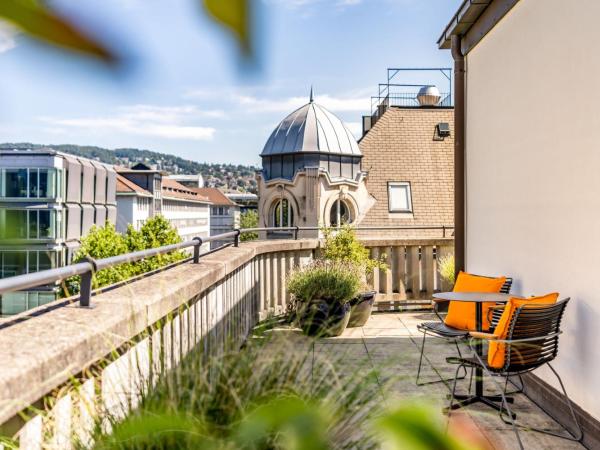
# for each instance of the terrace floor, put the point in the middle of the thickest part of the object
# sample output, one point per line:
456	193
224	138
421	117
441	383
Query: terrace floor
390	343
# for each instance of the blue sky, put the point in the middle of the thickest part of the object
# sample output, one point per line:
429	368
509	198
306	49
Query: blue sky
185	91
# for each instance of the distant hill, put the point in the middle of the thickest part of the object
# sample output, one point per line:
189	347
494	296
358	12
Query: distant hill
229	176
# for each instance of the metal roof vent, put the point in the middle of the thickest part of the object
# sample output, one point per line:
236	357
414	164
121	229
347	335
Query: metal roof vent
429	96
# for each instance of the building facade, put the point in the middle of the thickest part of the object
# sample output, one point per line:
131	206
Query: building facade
410	166
532	209
224	214
134	204
48	201
311	174
144	192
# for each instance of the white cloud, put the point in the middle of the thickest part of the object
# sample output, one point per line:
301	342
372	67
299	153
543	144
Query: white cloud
339	104
171	122
7	38
355	127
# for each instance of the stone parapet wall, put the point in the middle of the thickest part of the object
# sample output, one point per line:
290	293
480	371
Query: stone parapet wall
64	368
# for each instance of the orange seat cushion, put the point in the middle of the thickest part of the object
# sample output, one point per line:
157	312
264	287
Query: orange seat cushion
497	350
461	315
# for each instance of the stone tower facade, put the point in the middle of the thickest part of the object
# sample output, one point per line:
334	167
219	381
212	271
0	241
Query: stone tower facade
311	174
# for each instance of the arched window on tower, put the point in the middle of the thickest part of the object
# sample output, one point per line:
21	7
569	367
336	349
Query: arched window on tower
283	214
340	214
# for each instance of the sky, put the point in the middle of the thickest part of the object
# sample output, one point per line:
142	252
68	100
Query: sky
184	89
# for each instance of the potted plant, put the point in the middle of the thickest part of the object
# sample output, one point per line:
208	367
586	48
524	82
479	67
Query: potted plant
343	246
322	291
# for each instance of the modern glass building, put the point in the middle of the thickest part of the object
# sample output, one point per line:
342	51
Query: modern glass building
48	200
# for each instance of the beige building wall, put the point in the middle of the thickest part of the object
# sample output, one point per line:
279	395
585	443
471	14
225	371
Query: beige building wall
533	160
403	146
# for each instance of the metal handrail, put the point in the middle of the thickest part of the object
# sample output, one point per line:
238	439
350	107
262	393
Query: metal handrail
86	268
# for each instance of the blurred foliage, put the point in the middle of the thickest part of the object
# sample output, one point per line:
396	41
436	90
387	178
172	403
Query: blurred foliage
234	15
416	427
104	242
249	219
37	19
275	394
267	396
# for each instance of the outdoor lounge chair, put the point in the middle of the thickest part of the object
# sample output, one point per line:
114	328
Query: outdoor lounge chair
531	341
439	329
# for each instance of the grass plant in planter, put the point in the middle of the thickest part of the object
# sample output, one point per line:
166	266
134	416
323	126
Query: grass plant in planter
342	246
322	291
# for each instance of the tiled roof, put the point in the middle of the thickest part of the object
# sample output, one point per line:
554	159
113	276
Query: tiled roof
173	189
125	186
402	146
215	196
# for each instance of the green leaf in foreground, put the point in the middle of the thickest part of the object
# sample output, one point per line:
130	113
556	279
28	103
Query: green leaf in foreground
416	427
234	15
38	21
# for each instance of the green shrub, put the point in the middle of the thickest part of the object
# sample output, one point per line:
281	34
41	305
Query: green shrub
325	280
343	246
249	219
104	242
446	268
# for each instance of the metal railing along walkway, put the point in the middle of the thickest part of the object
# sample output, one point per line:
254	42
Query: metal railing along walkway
85	269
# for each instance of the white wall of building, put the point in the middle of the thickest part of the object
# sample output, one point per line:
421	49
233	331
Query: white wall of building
132	209
191	219
533	155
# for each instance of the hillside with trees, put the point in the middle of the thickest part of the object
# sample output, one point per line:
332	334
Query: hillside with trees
225	176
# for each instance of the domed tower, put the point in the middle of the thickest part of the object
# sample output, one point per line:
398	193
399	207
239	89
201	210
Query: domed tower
311	173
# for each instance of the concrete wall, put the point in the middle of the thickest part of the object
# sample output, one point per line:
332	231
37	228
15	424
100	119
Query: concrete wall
533	190
99	360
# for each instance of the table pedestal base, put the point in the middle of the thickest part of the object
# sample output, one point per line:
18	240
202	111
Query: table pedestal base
493	401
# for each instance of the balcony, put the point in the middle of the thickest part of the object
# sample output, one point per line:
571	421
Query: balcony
83	363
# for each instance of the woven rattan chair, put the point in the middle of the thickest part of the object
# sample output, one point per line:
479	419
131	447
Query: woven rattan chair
438	329
532	341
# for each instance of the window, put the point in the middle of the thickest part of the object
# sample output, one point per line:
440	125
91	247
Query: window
399	197
13	224
283	214
21	262
339	214
29	183
28	224
15	182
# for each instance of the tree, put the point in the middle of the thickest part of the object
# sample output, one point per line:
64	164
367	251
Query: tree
249	219
101	242
104	242
156	232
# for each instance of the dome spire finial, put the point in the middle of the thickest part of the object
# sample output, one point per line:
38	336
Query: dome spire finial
311	94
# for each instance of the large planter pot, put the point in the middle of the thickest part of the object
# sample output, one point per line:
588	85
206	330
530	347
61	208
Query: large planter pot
360	309
319	318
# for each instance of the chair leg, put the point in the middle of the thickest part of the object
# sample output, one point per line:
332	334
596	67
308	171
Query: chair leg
452	395
505	405
579	432
441	380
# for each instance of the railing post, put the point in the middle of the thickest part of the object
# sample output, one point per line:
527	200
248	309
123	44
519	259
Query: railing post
85	284
236	240
296	229
197	249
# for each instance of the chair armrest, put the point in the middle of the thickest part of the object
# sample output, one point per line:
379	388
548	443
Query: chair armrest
480	335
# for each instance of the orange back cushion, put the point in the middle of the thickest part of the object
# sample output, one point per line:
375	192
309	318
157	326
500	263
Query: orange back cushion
461	315
497	350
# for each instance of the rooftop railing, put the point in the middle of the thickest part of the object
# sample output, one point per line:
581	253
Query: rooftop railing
85	269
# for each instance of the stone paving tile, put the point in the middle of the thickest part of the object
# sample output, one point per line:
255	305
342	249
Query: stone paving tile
387	351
